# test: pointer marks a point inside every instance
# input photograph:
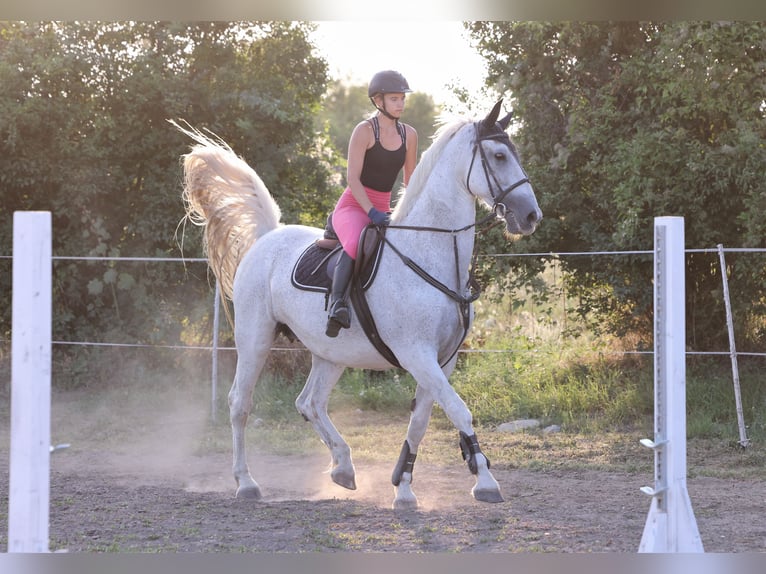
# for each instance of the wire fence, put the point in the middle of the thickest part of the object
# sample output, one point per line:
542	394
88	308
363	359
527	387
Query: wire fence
213	348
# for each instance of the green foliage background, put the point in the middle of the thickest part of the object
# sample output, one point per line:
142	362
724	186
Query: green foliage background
623	122
617	123
83	133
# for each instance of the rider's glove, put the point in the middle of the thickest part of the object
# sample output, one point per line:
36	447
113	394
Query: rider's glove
378	217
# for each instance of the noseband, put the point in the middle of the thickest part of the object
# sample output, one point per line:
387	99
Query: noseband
498	207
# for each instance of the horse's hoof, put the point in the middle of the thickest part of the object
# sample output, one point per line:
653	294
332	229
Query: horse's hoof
405	504
249	493
488	495
344	479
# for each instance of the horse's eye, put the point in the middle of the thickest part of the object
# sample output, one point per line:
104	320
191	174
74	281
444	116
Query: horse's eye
500	156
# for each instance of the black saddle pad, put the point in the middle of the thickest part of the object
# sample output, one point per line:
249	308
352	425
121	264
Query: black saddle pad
310	272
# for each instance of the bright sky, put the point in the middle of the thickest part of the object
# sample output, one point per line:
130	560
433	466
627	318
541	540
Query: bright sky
431	55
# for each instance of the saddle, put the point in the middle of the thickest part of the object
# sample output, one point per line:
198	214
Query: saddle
314	268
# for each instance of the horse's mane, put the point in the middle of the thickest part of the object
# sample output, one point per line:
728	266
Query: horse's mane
445	131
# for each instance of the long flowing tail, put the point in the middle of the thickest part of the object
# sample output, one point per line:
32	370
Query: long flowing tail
225	196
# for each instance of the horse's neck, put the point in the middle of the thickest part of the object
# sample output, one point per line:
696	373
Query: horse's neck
442	203
442	206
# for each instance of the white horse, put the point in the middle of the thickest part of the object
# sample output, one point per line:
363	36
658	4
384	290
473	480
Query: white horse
422	311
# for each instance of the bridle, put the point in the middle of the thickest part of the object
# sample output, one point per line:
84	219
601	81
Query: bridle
498	207
499	210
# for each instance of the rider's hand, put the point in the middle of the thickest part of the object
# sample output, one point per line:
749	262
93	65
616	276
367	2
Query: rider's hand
378	217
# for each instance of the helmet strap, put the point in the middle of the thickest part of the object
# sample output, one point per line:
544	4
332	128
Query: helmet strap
383	109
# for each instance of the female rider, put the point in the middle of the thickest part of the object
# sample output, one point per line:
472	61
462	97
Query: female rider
379	147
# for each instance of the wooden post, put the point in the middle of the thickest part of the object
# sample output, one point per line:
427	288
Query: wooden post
29	478
744	442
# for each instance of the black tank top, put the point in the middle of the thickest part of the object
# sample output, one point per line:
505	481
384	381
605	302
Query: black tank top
382	166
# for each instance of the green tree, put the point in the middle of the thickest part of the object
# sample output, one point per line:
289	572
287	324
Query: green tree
83	133
623	122
344	107
421	114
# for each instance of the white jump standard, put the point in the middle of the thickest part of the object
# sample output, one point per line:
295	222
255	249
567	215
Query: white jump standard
670	526
29	476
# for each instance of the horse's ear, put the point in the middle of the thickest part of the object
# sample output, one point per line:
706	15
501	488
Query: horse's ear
506	121
491	119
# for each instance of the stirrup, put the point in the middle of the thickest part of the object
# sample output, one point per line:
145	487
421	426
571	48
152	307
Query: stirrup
339	318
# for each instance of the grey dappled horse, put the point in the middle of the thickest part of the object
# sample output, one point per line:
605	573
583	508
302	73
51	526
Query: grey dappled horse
423	321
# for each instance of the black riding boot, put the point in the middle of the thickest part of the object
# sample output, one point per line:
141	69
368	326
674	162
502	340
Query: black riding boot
339	312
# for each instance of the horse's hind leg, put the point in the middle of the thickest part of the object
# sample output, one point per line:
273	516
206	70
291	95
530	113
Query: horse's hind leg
401	478
312	404
250	361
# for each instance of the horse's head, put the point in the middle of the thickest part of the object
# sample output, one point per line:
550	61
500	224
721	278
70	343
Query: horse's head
495	175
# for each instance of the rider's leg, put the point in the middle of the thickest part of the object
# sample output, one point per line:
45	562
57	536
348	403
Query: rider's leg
339	316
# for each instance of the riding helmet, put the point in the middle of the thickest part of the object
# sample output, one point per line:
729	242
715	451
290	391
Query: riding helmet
388	82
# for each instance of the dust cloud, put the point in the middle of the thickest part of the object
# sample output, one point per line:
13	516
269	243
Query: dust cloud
158	432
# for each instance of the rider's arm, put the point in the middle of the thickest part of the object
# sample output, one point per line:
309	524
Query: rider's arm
411	158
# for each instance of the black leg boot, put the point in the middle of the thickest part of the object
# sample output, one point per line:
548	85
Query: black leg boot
340	316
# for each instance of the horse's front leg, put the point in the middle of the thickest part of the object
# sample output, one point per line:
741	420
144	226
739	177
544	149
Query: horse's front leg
486	488
312	404
435	382
422	405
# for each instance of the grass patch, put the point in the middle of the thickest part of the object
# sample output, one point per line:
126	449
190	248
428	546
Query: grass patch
374	391
597	393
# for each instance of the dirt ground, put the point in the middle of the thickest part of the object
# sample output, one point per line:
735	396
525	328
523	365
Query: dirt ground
94	510
157	496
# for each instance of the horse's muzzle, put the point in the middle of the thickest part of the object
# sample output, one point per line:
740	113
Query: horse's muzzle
521	225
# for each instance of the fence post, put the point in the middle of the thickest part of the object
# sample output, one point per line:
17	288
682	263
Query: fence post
743	440
29	476
216	328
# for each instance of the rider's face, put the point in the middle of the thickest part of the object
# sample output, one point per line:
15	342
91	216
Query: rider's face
394	103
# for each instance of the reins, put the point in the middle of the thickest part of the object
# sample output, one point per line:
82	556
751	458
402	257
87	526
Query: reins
472	286
472	283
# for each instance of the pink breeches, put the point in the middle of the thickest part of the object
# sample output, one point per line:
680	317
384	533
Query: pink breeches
349	219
